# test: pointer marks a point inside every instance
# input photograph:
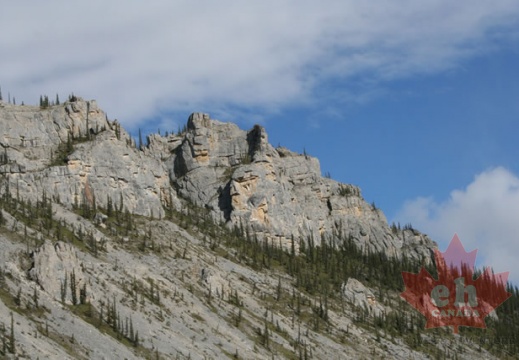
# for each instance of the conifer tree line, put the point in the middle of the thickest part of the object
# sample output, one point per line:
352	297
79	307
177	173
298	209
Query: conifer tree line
140	144
39	216
321	269
44	100
9	101
45	103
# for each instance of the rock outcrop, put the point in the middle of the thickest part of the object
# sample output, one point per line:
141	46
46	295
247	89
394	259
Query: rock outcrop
362	297
57	269
277	193
74	154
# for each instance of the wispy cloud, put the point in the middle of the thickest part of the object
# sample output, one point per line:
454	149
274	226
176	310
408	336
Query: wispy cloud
484	215
143	59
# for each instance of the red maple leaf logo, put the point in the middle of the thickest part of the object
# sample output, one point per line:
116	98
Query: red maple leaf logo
455	298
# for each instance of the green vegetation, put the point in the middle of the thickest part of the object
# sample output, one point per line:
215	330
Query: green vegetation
348	190
65	149
40	216
44	102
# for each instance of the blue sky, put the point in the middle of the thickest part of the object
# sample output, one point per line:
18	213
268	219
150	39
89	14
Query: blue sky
423	136
415	102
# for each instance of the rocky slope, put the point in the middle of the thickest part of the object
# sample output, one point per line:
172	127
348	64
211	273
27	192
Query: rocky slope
111	251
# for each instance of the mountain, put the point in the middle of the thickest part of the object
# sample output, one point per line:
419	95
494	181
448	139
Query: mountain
207	243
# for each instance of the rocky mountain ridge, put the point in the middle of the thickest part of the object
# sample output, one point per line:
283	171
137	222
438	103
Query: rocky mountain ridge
238	175
205	244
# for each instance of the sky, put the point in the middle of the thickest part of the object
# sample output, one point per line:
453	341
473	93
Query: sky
416	102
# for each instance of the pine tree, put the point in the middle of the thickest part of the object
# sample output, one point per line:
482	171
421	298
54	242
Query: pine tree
35	297
18	297
136	339
266	334
12	347
73	289
278	290
131	334
109	206
121	203
140	139
118	131
63	289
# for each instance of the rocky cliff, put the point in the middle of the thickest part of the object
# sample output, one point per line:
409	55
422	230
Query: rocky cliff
205	244
277	193
237	174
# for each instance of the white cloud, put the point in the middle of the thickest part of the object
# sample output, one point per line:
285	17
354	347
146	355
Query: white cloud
485	216
139	59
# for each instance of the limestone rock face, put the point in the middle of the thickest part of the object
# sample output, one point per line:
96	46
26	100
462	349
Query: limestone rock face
100	163
53	266
201	166
74	154
29	135
277	193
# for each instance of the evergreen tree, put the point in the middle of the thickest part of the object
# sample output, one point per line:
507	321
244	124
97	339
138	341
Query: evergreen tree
118	131
266	334
136	339
83	294
63	289
73	289
35	297
18	297
12	347
121	203
278	290
109	206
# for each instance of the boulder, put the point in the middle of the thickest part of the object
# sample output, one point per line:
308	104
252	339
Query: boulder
362	297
